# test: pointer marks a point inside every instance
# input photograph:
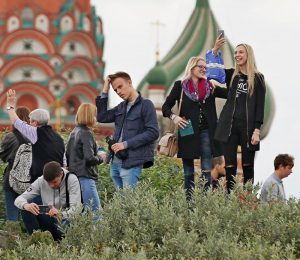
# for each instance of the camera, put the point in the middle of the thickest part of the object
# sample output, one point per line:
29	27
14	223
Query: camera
122	155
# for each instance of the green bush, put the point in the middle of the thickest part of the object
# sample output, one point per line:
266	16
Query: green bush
136	224
154	221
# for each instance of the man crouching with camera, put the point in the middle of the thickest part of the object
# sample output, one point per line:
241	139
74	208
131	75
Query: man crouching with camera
136	129
61	197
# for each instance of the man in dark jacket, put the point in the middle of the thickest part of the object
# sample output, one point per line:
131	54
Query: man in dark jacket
47	145
136	129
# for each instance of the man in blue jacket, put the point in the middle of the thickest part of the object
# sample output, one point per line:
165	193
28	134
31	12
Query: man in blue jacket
136	129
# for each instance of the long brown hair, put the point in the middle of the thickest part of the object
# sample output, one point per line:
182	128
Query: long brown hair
23	114
250	67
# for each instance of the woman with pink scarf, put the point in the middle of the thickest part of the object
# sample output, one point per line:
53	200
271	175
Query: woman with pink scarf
198	111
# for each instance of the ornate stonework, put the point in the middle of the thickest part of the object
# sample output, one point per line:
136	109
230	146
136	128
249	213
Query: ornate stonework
51	54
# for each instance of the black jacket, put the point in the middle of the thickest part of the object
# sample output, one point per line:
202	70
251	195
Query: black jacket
81	153
140	128
49	147
254	109
8	150
189	146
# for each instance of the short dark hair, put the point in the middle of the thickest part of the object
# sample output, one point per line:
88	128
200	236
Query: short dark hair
51	170
119	74
284	160
218	161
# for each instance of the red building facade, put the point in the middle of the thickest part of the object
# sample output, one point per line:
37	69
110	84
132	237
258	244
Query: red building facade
51	54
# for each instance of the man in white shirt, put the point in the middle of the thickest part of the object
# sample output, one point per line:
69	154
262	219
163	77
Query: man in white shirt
273	189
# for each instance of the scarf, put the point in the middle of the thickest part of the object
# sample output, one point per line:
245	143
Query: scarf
197	93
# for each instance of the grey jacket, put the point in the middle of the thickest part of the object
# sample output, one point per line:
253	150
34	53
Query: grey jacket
81	153
54	197
272	189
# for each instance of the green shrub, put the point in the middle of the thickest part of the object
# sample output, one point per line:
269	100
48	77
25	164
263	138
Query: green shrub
154	221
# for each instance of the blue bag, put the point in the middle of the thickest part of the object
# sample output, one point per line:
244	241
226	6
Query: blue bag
215	67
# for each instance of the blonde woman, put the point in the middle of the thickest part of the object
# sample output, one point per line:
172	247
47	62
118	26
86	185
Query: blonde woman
198	106
82	155
243	112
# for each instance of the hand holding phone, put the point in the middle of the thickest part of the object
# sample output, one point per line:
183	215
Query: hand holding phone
44	209
221	34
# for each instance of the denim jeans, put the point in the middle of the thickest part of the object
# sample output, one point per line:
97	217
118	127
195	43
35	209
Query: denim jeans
124	177
89	194
206	165
12	212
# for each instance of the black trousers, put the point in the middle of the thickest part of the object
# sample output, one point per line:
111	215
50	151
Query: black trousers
41	222
238	137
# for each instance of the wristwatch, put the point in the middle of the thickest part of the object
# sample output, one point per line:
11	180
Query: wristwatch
9	107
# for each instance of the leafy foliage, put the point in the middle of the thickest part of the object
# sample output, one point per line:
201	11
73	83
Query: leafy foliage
154	221
136	224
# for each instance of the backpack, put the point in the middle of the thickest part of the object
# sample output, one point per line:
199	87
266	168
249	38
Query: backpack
19	175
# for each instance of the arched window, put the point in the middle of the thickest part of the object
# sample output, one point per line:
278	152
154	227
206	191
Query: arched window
98	28
77	15
27	14
13	23
42	23
55	61
86	24
66	24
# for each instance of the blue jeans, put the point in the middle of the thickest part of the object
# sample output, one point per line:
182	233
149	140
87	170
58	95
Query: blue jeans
206	165
12	212
89	193
124	177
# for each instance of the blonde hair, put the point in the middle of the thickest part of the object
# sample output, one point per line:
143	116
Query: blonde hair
86	115
190	65
250	67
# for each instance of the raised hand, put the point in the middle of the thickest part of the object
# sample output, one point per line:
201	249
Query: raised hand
106	85
220	41
11	98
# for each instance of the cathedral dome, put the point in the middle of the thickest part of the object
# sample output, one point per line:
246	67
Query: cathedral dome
158	75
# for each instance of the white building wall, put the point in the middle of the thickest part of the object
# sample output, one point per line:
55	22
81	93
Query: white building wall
13	23
42	23
18	47
79	76
36	74
80	50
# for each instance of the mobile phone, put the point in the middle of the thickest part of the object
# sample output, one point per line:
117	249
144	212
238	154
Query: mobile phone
221	34
44	209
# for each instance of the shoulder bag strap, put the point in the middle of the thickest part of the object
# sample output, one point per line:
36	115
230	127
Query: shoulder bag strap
171	128
180	101
67	191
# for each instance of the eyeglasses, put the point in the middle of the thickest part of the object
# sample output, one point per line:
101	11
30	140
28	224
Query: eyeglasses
201	67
